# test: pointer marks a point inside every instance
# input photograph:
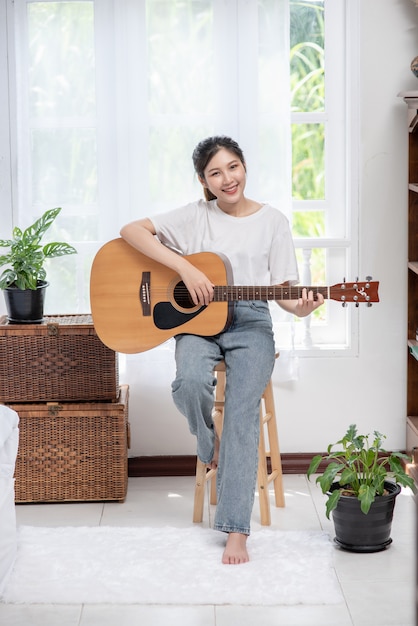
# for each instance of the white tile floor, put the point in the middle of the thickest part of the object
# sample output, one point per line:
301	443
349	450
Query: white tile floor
378	589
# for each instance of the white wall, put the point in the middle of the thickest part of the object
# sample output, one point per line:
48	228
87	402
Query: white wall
331	393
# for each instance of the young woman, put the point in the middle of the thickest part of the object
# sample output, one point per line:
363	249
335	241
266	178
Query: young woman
256	239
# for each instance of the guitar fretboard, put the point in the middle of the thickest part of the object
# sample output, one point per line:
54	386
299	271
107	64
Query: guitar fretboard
227	293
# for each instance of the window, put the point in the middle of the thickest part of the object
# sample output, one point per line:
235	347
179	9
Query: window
111	96
320	143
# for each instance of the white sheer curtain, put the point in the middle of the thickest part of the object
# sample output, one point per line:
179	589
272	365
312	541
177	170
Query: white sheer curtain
112	96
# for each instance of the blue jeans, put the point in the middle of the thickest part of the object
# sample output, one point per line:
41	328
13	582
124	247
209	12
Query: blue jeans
247	347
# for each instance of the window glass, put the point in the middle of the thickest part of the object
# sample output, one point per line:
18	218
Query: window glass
307	42
64	166
180	57
61	102
308	179
61	62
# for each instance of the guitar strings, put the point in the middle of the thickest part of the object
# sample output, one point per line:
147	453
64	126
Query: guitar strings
358	292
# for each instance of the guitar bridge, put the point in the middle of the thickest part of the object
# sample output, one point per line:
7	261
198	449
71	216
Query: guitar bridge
145	294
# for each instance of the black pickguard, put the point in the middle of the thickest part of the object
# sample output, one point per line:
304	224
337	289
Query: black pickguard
166	316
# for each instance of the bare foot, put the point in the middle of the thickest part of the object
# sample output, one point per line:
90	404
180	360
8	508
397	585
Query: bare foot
235	551
214	463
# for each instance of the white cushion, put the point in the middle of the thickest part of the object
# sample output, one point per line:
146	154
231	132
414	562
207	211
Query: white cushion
9	438
8	537
9	421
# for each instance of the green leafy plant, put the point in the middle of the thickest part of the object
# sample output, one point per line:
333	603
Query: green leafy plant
26	256
360	466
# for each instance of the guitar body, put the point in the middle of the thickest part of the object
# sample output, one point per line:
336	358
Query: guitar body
137	303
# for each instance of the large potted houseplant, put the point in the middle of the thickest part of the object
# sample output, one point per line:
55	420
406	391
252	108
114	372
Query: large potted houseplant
23	281
361	481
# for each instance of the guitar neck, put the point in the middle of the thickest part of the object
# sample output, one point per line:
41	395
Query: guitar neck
228	293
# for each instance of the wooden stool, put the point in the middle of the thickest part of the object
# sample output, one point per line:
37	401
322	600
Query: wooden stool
268	431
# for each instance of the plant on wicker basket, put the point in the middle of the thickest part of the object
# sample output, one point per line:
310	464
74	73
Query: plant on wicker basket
23	280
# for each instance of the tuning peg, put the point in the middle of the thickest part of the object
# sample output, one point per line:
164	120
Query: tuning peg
344	304
369	277
357	305
369	304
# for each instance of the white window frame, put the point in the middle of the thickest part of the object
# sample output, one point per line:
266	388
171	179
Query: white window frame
341	119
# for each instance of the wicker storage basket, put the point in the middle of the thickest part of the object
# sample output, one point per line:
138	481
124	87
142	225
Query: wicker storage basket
73	452
61	359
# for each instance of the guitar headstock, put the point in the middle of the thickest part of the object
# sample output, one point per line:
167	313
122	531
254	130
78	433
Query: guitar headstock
356	292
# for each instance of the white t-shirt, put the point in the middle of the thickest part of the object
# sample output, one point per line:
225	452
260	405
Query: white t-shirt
259	246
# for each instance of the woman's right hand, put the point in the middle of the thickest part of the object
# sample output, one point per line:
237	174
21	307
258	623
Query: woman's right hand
198	284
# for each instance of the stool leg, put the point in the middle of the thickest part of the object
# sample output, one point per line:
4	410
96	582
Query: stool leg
218	421
203	475
262	476
213	496
276	475
199	492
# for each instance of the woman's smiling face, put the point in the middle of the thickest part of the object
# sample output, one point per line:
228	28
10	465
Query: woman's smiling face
225	177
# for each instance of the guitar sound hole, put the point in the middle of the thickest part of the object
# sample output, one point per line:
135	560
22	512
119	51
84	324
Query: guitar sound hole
182	296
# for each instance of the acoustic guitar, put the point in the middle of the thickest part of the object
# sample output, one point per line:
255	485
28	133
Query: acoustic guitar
137	303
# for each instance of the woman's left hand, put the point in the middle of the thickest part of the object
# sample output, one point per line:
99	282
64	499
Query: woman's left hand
306	304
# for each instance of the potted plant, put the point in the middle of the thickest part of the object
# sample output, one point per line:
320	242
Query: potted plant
361	495
23	281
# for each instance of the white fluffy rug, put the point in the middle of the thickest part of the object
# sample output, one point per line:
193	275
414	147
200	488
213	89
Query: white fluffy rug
76	565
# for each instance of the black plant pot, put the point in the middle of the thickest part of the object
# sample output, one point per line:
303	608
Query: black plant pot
359	532
25	306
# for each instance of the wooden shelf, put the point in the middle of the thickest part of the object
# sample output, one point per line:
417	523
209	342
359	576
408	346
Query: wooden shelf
412	438
413	124
413	350
408	95
411	99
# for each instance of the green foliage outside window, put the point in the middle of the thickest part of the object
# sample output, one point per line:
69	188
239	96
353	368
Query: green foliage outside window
307	55
307	83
